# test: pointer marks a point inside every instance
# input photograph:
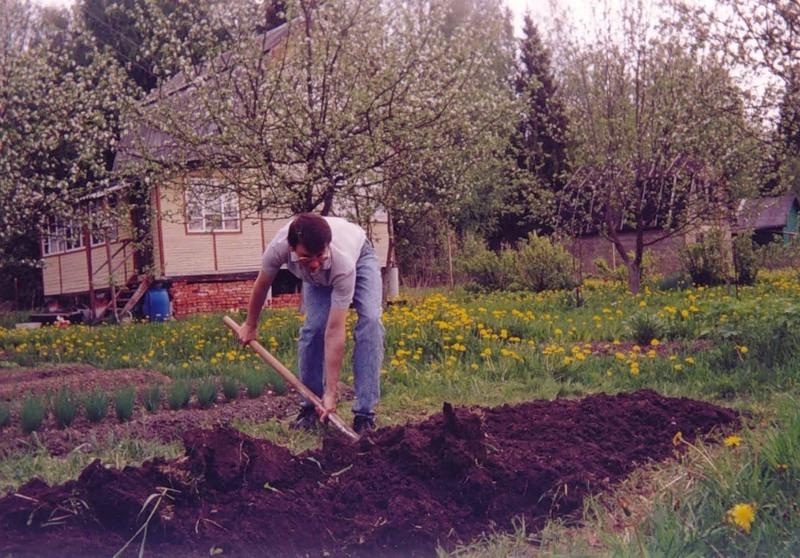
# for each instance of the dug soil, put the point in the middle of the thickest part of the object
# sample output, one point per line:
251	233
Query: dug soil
402	491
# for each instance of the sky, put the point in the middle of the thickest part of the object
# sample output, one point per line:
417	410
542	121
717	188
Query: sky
580	10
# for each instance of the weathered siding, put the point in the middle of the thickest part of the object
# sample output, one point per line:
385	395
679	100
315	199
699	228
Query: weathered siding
66	273
186	254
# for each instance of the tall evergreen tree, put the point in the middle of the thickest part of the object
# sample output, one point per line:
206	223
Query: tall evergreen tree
538	144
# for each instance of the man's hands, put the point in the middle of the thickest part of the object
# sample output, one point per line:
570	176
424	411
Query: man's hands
247	333
328	404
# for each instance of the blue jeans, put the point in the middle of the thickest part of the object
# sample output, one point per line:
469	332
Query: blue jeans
368	334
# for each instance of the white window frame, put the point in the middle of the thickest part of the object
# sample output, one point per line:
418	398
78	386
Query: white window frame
62	236
101	235
210	210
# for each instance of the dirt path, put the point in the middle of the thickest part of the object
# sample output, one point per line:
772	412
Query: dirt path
399	492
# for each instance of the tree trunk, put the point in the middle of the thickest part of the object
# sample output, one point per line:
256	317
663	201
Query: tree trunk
634	276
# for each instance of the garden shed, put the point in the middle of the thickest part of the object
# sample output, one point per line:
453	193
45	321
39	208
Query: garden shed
769	218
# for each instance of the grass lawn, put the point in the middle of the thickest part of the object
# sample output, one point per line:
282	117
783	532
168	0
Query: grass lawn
739	349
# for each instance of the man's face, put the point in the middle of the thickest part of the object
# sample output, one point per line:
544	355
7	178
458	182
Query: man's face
310	261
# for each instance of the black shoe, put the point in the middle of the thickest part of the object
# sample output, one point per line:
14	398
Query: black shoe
363	423
306	419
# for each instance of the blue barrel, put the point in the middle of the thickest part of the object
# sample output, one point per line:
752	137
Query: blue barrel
156	304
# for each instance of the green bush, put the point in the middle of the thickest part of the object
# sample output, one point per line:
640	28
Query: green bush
96	405
543	265
485	268
644	328
707	261
254	382
180	392
5	415
32	414
124	401
538	264
207	393
230	387
745	260
65	407
151	397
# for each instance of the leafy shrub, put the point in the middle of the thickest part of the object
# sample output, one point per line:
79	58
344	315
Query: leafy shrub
124	400
65	407
485	268
538	264
543	265
180	392
230	387
707	261
5	415
644	328
745	260
151	397
96	405
254	382
32	413
207	393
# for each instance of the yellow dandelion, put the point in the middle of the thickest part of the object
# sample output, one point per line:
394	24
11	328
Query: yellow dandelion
742	515
732	441
677	439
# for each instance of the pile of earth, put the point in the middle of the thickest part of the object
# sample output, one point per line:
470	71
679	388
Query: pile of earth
401	491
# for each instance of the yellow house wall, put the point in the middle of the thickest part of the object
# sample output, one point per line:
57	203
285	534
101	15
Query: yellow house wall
66	273
187	254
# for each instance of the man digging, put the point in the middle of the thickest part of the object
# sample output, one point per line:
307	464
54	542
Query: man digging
338	266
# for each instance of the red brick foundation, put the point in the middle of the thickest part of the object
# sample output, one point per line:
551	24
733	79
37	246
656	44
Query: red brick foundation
194	298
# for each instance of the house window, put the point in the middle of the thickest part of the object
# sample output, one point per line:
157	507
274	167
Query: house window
104	227
62	235
210	208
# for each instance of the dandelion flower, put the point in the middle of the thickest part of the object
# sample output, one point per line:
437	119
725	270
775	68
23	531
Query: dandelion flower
732	441
742	515
677	439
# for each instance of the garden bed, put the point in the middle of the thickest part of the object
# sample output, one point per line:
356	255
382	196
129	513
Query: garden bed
163	425
401	491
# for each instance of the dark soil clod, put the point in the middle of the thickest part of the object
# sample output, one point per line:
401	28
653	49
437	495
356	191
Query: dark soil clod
402	491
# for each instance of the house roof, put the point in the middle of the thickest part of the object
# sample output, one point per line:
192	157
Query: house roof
770	212
159	144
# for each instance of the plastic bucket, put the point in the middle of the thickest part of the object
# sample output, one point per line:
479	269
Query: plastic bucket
156	304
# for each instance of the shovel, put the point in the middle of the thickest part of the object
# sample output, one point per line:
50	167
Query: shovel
293	380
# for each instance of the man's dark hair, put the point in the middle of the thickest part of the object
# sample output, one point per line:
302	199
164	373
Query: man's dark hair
310	230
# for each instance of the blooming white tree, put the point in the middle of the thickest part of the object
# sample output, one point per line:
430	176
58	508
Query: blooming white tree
55	130
363	102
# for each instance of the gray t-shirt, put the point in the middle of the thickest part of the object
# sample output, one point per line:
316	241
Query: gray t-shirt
338	271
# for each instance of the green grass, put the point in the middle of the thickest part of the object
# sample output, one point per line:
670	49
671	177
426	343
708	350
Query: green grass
96	405
742	351
254	381
65	407
151	397
230	388
124	400
34	409
18	467
207	393
179	394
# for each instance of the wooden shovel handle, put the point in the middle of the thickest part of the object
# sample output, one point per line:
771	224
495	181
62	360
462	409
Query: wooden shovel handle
287	375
